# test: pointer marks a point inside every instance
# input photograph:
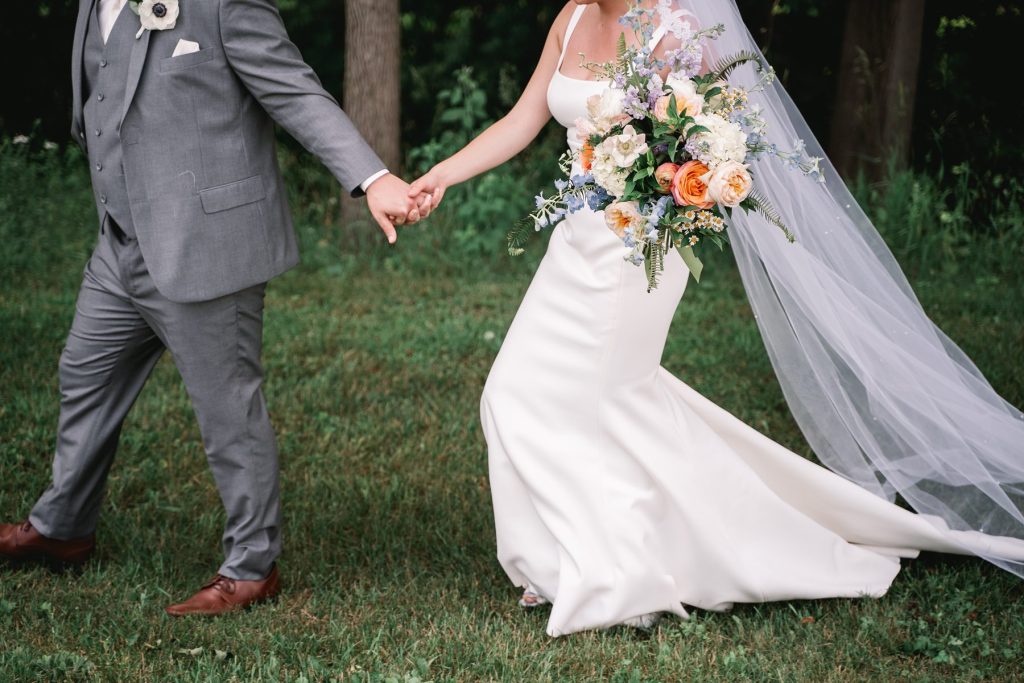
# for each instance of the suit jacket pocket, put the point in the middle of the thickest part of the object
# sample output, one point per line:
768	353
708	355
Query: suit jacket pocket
232	195
189	60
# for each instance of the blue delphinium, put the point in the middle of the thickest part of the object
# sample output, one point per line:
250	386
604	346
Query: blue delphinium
597	198
658	211
581	180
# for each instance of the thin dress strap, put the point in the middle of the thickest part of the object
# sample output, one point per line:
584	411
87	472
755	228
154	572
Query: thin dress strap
662	30
577	13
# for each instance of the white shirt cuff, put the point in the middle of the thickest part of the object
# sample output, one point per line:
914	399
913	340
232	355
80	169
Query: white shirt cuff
372	179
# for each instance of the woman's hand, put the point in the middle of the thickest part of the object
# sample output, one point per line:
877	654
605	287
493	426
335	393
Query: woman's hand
505	138
434	184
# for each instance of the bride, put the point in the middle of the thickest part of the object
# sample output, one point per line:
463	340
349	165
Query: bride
620	493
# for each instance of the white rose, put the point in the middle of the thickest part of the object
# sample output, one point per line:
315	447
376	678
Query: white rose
688	100
624	149
729	184
607	110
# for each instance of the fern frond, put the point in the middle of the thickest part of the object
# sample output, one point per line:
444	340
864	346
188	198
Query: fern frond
725	66
519	235
761	204
654	264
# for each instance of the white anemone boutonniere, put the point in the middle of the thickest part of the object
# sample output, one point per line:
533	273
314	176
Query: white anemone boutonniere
155	15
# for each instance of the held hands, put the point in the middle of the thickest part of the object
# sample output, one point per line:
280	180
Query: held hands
430	188
391	204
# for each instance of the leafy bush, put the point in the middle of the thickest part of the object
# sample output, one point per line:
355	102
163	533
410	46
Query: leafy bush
935	222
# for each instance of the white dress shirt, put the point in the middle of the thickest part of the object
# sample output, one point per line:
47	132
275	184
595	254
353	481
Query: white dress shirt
109	9
108	13
374	178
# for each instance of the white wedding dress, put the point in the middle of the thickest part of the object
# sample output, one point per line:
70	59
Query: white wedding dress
619	491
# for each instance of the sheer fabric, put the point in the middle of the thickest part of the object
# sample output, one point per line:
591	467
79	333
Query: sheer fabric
882	395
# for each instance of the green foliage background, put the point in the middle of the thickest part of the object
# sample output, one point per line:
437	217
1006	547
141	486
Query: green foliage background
967	111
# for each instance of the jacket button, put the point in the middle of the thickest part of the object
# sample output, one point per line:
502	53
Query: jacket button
81	134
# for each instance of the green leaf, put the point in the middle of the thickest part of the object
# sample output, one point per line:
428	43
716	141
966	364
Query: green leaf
692	262
674	149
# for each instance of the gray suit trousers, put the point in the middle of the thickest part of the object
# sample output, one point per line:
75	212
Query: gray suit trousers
122	326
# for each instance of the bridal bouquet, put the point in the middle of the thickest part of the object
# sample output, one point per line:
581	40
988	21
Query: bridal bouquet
667	160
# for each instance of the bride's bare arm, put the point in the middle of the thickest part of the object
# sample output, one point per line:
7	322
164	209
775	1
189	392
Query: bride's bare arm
508	136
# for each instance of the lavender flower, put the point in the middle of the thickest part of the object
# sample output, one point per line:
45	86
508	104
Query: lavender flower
633	105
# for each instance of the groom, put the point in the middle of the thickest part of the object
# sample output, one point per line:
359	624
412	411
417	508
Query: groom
175	105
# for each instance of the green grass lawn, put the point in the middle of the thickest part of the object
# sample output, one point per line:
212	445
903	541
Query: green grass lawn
375	366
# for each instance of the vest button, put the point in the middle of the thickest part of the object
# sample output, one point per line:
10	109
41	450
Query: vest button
98	132
103	199
99	167
99	98
103	64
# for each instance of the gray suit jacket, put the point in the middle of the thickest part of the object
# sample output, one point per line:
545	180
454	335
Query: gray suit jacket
207	199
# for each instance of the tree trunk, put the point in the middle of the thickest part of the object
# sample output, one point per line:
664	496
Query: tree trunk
373	80
874	114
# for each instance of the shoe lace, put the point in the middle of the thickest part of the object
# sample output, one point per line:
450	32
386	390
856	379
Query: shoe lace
222	583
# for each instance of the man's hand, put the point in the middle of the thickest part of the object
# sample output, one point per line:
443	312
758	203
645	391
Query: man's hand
390	205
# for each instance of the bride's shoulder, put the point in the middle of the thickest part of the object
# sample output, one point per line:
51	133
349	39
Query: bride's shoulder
561	23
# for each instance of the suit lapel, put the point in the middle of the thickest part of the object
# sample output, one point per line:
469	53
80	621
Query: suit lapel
77	56
135	64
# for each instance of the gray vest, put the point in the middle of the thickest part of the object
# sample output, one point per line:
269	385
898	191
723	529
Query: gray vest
105	68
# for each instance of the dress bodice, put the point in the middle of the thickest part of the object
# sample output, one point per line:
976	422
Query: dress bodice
567	97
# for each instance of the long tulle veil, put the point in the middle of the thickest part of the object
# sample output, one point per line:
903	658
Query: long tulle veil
882	395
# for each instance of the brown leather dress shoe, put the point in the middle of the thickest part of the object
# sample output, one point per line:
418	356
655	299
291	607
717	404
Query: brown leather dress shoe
222	595
21	542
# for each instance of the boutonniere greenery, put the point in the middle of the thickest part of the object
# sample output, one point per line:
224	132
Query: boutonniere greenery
155	15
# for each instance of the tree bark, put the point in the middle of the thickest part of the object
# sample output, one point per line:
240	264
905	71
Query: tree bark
373	80
874	113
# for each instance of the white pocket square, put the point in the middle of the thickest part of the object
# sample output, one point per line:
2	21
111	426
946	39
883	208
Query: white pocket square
185	47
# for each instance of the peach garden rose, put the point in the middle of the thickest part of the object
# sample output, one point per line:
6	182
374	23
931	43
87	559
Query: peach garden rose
623	216
689	186
664	175
730	184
